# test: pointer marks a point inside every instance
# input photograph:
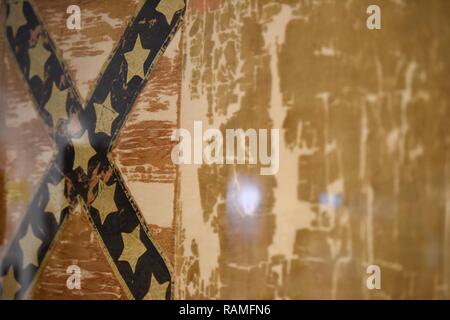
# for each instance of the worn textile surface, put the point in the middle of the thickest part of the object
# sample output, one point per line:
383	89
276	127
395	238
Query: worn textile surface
364	172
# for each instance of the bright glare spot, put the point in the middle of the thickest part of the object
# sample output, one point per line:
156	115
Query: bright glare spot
249	198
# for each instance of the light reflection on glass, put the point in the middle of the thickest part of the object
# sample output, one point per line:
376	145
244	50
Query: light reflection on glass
243	195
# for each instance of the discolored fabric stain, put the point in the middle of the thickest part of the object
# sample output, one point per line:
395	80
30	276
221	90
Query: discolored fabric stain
358	108
230	93
364	150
